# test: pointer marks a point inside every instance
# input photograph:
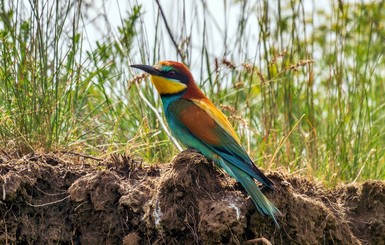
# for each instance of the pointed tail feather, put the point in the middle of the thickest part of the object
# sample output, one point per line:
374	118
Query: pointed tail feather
263	205
250	169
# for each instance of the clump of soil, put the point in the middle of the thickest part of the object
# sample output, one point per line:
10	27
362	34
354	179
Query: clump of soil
56	199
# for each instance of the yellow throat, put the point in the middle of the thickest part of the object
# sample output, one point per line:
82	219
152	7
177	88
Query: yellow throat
167	86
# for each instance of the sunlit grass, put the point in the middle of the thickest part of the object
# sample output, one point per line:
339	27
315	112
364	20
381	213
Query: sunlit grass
304	89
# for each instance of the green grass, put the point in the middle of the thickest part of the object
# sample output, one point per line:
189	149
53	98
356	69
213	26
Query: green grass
306	94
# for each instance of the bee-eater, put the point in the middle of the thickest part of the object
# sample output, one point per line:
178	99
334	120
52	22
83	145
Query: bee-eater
198	124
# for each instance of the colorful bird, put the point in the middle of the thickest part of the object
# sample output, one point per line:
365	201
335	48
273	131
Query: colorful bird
198	124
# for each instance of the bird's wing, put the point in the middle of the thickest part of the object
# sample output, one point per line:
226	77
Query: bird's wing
211	127
218	116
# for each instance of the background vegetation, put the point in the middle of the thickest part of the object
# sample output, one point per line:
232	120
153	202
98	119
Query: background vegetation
303	85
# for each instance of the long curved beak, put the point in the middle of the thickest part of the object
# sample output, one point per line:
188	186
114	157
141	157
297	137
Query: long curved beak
149	69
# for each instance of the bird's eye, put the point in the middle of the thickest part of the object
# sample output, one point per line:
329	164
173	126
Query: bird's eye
171	73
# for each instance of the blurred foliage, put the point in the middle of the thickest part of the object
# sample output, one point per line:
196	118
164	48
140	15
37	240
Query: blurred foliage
303	86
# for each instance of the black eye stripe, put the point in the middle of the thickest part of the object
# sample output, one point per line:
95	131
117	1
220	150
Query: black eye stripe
176	76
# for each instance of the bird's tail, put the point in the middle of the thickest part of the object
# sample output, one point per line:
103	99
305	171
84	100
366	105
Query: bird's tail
263	204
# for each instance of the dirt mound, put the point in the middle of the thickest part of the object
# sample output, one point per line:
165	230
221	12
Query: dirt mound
56	199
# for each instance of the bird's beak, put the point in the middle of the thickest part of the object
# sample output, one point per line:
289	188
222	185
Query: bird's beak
149	69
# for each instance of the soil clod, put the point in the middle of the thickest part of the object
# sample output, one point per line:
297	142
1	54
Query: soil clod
54	199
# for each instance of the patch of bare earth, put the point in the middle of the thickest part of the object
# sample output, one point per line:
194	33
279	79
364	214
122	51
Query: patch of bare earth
59	199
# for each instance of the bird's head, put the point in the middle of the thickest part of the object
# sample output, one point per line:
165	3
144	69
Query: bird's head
169	77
